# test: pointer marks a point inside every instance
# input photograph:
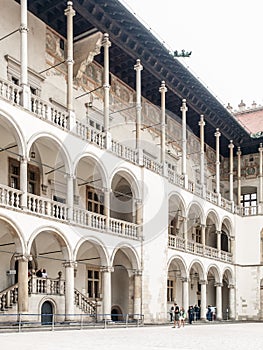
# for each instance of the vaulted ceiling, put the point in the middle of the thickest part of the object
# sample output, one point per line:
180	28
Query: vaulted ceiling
130	41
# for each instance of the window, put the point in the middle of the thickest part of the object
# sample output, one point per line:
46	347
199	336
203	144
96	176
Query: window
170	290
33	176
198	235
14	173
93	283
94	200
33	179
249	202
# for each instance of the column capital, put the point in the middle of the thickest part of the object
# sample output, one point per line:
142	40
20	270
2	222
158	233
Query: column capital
138	66
23	257
137	272
239	151
69	10
107	269
231	286
218	284
217	133
260	149
201	122
106	41
203	282
163	88
185	280
184	107
231	145
67	264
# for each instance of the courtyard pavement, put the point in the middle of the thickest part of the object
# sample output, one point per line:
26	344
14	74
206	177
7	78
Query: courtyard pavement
236	336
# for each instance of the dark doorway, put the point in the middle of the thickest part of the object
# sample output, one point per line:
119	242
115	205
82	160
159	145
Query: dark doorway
116	314
46	313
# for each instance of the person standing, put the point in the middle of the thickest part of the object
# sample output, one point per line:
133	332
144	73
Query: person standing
191	314
182	316
172	313
176	316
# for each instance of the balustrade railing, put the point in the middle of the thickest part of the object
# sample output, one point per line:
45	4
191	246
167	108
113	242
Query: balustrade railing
47	207
9	297
10	91
212	197
84	303
42	285
123	151
152	165
48	111
176	242
10	197
123	228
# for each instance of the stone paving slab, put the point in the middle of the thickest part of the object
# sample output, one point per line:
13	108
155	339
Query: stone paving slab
238	336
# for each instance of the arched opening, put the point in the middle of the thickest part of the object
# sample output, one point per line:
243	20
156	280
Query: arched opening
47	313
116	313
122	203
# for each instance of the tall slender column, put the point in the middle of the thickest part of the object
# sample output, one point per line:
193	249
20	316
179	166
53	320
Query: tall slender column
107	192
202	155
203	240
260	174
138	68
106	271
218	234
106	86
139	216
218	301
70	195
231	147
184	109
163	91
70	13
238	176
217	135
232	312
23	55
69	289
185	233
185	283
203	299
23	182
137	294
22	283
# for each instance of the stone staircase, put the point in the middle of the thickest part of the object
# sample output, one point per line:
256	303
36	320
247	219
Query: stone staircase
9	298
84	303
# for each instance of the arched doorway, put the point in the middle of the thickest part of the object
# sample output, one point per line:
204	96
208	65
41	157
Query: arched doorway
116	314
46	313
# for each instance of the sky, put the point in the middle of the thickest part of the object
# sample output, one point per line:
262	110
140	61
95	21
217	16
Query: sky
225	37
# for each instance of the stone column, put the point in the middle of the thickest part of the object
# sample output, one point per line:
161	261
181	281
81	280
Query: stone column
185	283
70	195
106	285
238	176
107	192
203	300
218	301
217	135
184	109
138	68
23	182
260	176
232	311
69	290
202	155
137	294
139	216
23	56
22	283
70	13
185	233
106	86
163	91
231	148
203	240
218	234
